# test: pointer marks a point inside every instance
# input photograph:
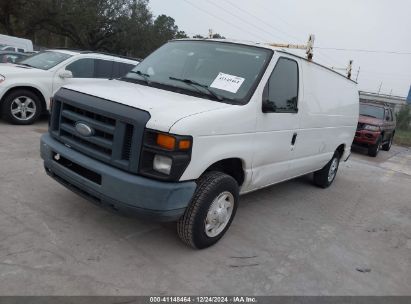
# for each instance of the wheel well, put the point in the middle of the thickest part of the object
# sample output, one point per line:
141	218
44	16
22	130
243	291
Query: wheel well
31	89
341	149
230	166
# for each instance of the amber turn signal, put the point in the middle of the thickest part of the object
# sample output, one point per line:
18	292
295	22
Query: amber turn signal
166	141
184	144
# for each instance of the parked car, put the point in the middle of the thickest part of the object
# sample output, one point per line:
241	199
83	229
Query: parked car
26	88
15	44
12	57
196	124
376	127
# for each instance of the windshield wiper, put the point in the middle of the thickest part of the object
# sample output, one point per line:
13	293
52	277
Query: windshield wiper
25	64
143	75
195	83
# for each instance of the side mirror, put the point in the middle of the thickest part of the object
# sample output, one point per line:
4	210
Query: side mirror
66	74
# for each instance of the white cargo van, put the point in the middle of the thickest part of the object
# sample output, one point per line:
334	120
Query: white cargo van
195	125
15	44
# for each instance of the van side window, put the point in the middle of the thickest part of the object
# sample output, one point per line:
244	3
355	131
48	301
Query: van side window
82	68
281	91
20	50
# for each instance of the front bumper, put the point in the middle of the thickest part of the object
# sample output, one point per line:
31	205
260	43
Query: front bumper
365	137
113	188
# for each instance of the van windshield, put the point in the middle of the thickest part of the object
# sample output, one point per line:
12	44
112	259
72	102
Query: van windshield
372	111
45	60
209	69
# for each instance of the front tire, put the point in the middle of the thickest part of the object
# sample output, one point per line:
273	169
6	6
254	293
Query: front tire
374	149
211	210
21	107
324	178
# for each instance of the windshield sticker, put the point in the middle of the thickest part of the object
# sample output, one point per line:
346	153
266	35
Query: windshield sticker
227	82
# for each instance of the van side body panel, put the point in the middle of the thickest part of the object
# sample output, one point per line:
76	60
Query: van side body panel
326	118
329	117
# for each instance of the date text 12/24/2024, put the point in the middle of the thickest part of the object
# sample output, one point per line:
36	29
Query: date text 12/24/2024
203	299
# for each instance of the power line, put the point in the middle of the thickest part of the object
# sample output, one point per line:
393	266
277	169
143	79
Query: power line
331	61
363	50
324	56
238	17
261	20
222	20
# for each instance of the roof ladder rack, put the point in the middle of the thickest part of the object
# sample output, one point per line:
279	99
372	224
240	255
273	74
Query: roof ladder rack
348	69
309	47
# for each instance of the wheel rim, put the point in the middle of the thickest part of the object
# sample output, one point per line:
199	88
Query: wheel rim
333	170
219	214
23	108
379	144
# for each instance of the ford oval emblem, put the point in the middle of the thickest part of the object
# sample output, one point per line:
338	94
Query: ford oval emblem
83	129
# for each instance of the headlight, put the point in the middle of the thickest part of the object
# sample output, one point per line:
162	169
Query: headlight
2	78
371	128
162	164
165	156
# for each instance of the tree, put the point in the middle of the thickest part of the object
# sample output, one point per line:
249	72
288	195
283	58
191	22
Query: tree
118	26
218	36
404	118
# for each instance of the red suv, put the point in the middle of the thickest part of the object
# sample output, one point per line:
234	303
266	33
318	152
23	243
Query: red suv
376	127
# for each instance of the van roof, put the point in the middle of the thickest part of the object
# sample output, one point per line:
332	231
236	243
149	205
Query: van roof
291	52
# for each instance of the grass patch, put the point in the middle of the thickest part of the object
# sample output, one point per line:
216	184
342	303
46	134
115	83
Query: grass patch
402	138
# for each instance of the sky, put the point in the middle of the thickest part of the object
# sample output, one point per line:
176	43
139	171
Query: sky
375	25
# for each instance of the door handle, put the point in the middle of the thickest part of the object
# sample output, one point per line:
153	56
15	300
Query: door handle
294	139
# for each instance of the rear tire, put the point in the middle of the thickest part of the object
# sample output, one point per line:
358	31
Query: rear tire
387	146
21	107
211	210
324	178
374	149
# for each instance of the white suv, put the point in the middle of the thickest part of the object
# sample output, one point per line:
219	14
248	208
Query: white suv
26	88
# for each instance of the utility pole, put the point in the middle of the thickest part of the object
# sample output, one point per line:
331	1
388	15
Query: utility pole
379	90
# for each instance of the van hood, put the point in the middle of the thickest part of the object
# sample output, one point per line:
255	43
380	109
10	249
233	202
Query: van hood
9	69
370	120
165	107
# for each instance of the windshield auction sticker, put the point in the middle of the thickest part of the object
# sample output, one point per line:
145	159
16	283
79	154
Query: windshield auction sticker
227	82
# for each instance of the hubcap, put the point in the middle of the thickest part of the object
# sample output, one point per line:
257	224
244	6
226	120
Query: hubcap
23	108
333	170
219	214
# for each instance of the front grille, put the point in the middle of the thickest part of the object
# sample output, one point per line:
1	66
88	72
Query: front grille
127	143
117	130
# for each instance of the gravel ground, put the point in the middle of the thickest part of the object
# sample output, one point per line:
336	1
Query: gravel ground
290	239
